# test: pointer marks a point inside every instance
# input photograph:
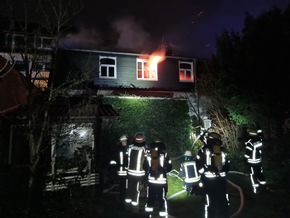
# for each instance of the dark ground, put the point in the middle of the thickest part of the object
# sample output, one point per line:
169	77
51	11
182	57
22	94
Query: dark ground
268	204
273	202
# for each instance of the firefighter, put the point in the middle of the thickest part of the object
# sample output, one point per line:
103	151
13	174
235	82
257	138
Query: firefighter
213	165
157	166
253	155
189	174
121	162
135	170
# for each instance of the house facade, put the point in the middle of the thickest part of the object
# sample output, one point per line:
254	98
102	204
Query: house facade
158	75
110	70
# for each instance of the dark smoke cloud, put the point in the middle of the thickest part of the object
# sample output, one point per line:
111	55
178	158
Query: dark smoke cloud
132	35
85	38
190	27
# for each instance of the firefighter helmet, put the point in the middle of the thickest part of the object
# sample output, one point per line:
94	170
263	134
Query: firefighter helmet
160	146
123	138
256	133
139	137
214	135
187	153
214	138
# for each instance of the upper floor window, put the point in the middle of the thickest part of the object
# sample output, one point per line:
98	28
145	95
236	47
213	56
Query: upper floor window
16	41
146	71
44	42
107	68
186	71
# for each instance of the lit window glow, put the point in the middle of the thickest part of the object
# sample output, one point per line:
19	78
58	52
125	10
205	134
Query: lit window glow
186	73
147	66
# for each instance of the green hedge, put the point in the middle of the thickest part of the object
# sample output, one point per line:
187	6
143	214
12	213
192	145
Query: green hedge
165	119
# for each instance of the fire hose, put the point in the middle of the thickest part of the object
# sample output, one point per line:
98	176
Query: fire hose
241	198
175	174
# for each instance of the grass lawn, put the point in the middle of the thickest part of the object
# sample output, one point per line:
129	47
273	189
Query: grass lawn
243	204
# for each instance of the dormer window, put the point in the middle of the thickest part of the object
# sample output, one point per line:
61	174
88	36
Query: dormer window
146	71
186	73
107	67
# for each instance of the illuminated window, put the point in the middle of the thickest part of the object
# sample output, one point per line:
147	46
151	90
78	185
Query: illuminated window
107	68
72	139
146	71
40	78
186	71
39	74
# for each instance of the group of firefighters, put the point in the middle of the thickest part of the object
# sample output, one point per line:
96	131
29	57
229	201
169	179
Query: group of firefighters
139	164
205	174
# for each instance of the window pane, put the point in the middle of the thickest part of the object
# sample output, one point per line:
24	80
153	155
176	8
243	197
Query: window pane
188	75
19	41
181	75
107	61
139	66
8	40
103	71
139	74
185	66
146	74
111	72
47	43
153	74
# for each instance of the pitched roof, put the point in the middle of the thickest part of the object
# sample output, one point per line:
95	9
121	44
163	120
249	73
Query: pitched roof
12	87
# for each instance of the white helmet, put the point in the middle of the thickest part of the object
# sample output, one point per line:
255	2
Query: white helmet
123	138
188	153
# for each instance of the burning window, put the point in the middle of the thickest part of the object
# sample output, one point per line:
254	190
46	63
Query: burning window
144	71
147	65
186	73
107	68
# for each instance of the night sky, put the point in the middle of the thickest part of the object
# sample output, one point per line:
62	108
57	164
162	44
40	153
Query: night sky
188	26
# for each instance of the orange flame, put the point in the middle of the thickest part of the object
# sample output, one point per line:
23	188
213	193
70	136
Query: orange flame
155	58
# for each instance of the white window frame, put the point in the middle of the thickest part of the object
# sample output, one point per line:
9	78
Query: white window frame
143	63
108	67
186	71
43	42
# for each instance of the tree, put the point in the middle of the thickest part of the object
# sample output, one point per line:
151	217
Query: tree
250	69
36	19
247	78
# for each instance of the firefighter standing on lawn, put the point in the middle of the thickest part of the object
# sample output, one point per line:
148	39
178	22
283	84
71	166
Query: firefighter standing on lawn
157	166
121	161
253	155
213	165
188	172
136	172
